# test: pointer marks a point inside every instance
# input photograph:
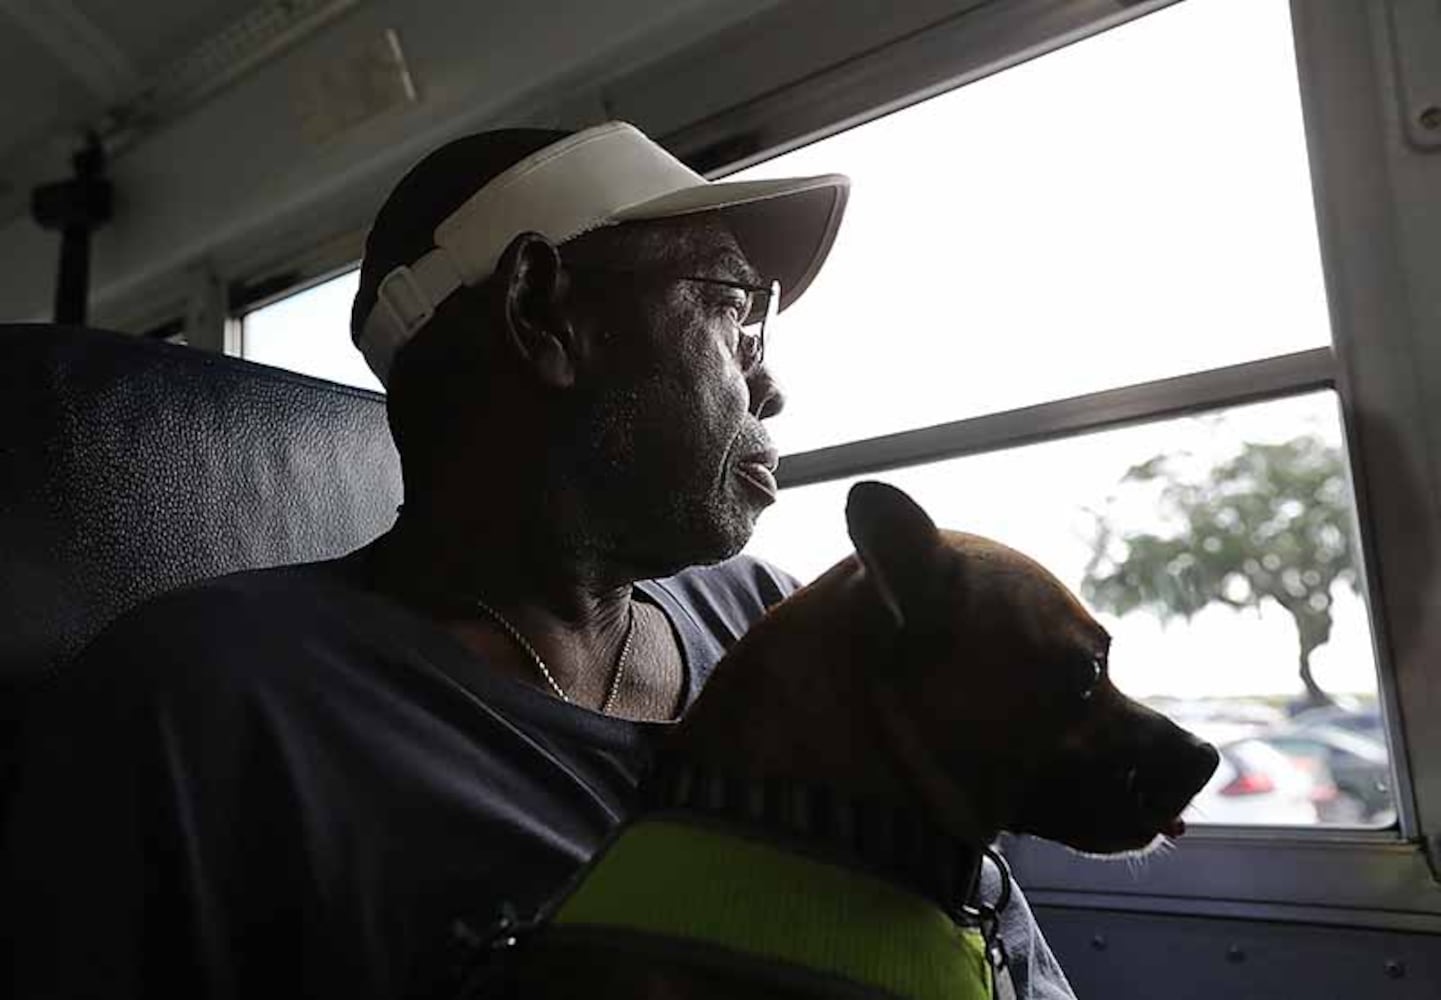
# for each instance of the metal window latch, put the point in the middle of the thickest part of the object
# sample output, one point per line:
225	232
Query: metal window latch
1415	29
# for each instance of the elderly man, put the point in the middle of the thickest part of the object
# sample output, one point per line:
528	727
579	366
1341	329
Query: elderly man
302	781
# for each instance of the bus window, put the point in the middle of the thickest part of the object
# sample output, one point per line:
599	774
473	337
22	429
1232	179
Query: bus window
1114	212
1118	233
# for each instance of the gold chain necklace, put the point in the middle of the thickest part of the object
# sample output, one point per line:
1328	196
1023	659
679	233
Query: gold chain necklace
524	644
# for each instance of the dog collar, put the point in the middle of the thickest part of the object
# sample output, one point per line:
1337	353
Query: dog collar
895	844
725	898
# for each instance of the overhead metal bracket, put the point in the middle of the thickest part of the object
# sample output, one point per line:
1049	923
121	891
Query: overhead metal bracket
1415	28
76	207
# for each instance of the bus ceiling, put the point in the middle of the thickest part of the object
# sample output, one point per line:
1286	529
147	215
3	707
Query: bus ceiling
248	140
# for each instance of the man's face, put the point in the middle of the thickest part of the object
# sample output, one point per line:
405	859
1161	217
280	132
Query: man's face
675	463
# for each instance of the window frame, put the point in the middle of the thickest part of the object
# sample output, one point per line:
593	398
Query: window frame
1368	179
1143	402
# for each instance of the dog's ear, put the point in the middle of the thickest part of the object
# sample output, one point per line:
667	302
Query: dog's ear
898	544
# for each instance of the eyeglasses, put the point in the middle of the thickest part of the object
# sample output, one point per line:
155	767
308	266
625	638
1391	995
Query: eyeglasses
762	302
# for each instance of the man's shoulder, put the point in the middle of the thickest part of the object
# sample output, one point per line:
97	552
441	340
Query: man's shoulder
726	598
243	625
230	603
740	574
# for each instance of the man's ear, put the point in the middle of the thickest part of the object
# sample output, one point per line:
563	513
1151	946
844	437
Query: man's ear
898	545
537	325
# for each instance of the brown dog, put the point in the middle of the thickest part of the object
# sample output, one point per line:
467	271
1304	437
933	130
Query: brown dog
882	725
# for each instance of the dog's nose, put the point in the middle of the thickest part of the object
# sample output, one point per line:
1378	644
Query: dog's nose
1202	760
1177	769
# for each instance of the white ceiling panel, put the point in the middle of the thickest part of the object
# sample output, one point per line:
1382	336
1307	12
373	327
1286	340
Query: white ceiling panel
64	62
154	32
125	68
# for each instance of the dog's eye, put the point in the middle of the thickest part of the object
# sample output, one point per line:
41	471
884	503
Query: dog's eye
1079	682
1092	672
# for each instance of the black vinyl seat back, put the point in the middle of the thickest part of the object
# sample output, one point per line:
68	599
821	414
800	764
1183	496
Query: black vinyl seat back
130	467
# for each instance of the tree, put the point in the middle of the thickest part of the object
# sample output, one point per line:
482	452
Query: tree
1274	522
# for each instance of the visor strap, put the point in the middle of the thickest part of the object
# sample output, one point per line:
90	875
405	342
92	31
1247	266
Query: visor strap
404	302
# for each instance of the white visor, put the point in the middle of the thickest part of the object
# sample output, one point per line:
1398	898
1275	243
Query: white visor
604	175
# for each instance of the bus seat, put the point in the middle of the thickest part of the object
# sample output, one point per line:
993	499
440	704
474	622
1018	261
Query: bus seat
129	467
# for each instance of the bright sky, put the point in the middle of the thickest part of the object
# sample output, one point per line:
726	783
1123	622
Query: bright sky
1135	206
1132	207
310	333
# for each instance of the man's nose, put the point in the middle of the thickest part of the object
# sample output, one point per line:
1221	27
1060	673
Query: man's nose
766	397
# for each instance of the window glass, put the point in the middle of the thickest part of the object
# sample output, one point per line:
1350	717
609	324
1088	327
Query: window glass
309	332
1135	206
1188	539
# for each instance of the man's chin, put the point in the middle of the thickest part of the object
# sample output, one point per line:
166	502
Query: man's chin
718	537
718	549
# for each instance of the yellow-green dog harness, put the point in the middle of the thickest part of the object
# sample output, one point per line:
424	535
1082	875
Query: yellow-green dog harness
712	887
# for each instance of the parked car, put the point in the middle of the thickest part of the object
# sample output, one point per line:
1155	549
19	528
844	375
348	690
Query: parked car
1362	721
1257	783
1358	766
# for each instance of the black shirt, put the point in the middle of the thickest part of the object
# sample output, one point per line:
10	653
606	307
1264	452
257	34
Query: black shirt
280	783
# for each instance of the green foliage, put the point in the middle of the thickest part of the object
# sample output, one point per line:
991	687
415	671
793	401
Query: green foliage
1272	523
